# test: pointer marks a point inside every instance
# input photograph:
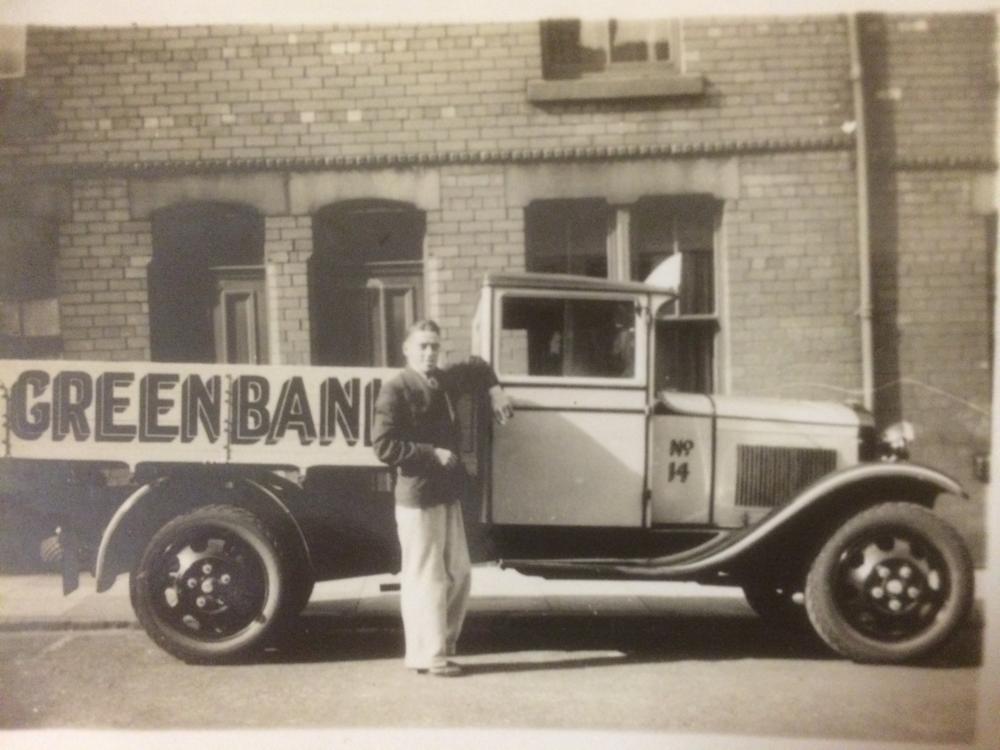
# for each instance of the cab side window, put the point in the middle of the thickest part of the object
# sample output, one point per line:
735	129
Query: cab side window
580	338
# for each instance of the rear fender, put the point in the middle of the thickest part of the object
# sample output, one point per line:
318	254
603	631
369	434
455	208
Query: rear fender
151	506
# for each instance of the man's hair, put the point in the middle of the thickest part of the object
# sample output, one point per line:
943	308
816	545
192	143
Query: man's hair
425	324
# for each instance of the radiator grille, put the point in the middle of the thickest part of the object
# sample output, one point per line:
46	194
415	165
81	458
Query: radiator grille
767	476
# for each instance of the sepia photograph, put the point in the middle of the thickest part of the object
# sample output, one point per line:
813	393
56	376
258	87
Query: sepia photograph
561	374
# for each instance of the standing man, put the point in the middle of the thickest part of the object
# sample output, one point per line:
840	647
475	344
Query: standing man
416	432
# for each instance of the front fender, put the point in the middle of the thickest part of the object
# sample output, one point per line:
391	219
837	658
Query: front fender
850	490
838	494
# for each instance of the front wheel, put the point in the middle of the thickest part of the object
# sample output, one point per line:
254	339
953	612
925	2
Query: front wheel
211	585
890	585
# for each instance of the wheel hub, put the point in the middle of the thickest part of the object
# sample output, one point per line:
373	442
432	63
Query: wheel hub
896	587
206	586
210	586
891	585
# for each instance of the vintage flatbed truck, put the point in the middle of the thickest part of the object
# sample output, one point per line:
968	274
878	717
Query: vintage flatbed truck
239	486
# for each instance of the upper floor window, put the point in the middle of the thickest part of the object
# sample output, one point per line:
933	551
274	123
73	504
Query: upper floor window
575	48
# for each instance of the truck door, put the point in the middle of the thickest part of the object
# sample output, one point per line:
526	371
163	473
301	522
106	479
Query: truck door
575	365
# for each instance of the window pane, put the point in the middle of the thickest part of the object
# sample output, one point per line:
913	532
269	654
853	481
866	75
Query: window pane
684	352
399	307
10	318
567	237
652	237
695	235
663	33
376	325
661	227
572	47
27	257
241	319
630	41
697	284
40	317
573	338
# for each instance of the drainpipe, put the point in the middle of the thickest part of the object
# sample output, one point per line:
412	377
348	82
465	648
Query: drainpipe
864	234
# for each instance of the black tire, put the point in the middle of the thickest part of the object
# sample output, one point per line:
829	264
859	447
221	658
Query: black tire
890	585
212	585
778	605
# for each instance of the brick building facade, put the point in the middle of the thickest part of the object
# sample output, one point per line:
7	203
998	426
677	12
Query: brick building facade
147	173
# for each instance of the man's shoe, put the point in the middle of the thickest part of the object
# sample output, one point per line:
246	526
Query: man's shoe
448	669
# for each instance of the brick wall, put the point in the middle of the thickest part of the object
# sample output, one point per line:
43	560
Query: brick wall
287	249
101	275
473	233
933	84
137	94
792	268
932	102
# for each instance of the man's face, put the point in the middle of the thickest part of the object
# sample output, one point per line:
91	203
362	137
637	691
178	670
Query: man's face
421	350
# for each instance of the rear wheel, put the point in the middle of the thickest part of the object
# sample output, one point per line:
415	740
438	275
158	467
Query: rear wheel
212	585
890	585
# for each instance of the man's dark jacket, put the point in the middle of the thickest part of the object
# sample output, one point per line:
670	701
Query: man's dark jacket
416	414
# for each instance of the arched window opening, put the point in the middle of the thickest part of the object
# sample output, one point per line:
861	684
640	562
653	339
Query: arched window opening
365	281
207	300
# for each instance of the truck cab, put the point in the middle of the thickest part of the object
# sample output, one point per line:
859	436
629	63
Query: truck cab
602	440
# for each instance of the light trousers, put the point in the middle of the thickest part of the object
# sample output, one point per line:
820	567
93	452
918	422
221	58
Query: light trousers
434	581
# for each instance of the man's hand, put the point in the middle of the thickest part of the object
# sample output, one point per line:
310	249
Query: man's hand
503	406
445	457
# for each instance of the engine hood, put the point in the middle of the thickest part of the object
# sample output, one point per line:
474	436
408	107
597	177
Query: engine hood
763	409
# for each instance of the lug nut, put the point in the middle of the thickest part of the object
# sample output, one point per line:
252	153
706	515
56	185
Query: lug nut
225	579
191	583
206	568
878	592
883	572
913	592
895	605
201	601
905	572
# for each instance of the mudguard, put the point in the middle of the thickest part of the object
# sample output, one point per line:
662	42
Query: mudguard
910	481
271	495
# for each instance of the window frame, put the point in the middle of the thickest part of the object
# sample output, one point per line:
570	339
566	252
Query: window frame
230	281
640	305
554	70
670	314
622	257
30	313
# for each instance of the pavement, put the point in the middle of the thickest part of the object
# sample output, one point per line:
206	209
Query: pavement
36	602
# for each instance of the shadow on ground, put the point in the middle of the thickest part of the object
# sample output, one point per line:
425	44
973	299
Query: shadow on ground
638	638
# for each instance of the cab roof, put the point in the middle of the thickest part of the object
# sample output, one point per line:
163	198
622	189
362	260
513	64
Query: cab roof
569	282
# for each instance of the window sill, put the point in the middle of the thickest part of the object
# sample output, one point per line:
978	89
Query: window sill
616	87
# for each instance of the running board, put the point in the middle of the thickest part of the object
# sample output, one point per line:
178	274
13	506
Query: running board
701	562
